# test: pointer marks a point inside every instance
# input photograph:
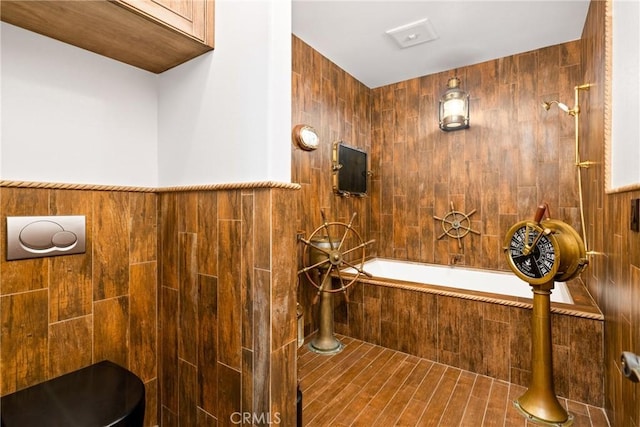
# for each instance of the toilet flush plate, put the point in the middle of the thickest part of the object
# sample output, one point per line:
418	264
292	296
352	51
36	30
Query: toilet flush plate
44	236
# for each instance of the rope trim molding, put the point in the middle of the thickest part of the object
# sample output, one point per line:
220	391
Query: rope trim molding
480	298
124	188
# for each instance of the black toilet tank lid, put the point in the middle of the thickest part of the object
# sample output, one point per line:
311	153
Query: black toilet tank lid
97	395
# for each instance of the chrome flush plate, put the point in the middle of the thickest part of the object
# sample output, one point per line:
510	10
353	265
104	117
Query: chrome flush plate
44	236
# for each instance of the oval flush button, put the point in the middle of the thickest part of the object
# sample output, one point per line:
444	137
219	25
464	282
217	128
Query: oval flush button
46	236
38	235
64	239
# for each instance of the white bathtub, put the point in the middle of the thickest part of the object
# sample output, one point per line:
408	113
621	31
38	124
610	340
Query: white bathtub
495	282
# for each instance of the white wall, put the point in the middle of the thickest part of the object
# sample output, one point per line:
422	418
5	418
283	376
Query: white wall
625	111
225	117
71	116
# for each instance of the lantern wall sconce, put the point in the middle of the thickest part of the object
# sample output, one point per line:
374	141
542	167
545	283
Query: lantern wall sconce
454	107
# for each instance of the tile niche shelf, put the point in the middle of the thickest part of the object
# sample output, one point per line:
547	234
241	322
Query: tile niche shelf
154	35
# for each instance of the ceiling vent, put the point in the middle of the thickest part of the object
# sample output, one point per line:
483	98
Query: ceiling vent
418	32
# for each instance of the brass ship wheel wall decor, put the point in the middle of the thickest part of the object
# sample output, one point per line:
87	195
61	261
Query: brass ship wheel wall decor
456	224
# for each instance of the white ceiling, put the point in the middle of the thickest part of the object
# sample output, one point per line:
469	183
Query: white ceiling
351	33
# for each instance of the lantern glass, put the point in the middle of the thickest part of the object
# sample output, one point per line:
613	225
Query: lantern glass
454	107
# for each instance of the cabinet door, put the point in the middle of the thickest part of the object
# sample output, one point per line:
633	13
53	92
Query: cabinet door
154	35
192	17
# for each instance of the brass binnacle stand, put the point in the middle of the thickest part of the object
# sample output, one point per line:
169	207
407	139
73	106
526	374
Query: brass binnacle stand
539	403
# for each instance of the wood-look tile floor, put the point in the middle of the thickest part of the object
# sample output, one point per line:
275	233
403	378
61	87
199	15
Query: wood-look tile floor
372	386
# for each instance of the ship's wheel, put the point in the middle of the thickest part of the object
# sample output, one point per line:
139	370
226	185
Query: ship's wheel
331	248
456	224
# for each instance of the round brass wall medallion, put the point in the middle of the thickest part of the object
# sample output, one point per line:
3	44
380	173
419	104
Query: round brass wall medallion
306	137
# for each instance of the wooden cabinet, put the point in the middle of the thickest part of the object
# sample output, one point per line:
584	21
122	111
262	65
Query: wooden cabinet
154	35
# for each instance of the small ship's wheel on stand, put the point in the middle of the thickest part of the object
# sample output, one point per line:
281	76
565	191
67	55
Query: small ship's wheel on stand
331	248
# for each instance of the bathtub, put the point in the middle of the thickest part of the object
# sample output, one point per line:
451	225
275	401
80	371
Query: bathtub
458	278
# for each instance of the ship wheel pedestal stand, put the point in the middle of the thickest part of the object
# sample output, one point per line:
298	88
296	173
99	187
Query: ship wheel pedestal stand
330	248
539	403
325	342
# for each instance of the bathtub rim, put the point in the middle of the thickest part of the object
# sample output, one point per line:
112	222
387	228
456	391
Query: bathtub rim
584	306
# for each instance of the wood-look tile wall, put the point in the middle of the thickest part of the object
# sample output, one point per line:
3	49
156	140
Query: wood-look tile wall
338	106
514	156
613	278
227	310
486	338
62	313
194	292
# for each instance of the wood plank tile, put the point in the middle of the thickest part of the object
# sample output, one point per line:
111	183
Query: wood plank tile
396	404
70	345
513	416
208	343
496	341
188	293
205	420
188	212
326	380
168	218
229	295
262	339
374	377
497	406
187	395
588	354
169	344
110	245
110	330
144	236
143	320
472	334
151	403
207	233
248	262
438	402
283	390
478	399
452	415
247	380
70	286
229	389
337	403
283	268
23	339
169	418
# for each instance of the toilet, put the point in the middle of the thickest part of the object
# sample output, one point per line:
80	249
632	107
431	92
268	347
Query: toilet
102	394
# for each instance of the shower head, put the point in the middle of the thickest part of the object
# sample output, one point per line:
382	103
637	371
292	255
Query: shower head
547	105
